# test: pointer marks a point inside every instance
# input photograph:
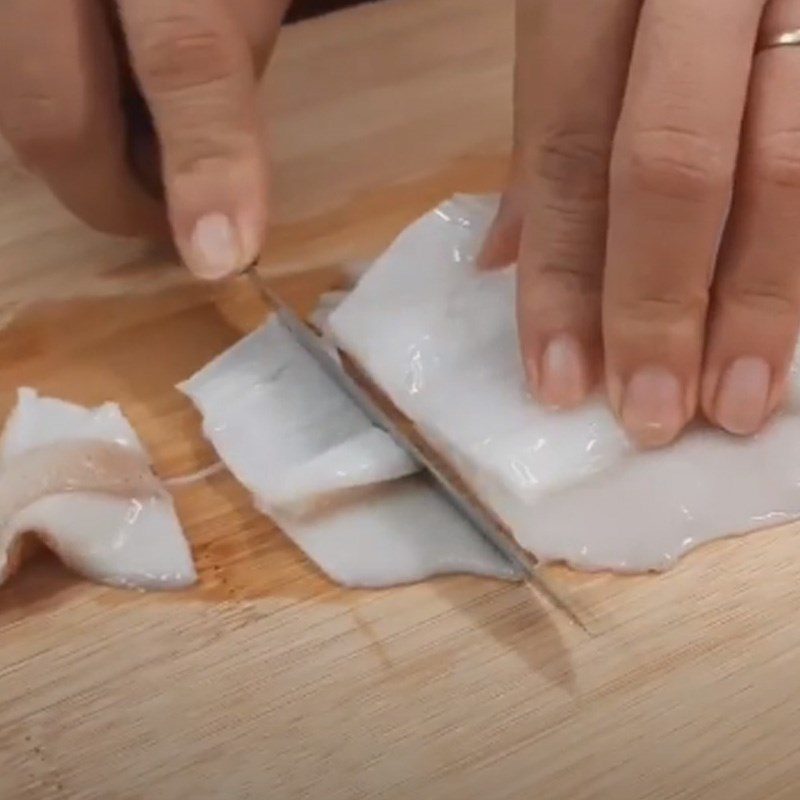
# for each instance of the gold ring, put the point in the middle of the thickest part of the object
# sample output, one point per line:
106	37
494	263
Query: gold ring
789	38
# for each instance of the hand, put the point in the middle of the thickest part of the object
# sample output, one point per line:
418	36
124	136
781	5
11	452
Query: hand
195	63
653	207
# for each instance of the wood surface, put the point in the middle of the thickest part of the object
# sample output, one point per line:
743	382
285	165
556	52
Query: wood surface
267	681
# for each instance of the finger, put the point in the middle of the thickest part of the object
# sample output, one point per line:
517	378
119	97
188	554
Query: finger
570	80
501	245
143	153
672	173
261	21
502	241
196	72
756	306
60	111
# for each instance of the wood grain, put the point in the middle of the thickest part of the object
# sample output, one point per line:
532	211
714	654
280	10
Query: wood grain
269	682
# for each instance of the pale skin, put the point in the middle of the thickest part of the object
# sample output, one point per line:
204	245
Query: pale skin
653	203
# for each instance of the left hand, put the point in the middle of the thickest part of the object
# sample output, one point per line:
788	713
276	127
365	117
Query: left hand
654	207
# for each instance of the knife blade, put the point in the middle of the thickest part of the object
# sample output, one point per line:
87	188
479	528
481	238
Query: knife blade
522	563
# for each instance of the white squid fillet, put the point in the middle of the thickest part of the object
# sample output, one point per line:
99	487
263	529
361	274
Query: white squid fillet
338	487
79	479
327	303
440	339
362	460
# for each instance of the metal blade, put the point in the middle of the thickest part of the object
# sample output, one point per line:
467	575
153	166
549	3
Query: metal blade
522	563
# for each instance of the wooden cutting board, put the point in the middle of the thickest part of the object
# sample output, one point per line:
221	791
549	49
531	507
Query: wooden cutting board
269	682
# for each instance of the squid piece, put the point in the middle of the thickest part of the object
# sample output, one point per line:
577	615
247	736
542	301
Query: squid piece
357	463
79	480
327	303
337	486
439	338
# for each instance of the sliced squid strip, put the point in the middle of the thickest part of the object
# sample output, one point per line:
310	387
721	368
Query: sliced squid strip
337	486
360	462
79	480
74	466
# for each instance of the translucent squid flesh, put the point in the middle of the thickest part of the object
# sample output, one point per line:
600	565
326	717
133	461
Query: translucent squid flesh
79	480
338	486
439	338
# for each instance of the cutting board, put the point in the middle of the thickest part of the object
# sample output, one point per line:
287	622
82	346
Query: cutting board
267	681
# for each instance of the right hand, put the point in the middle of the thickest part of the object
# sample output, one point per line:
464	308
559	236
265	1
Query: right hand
196	64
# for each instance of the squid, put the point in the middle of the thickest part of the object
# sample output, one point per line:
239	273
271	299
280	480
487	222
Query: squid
79	481
340	488
439	338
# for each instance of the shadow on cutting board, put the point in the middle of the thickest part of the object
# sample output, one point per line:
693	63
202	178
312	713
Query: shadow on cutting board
518	621
40	587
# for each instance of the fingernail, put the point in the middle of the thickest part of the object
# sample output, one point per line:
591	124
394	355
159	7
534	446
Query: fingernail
743	394
563	374
215	248
653	407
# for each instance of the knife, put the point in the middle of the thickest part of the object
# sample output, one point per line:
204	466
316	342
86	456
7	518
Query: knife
522	563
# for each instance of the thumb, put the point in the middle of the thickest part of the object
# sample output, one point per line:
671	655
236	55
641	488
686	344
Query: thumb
195	68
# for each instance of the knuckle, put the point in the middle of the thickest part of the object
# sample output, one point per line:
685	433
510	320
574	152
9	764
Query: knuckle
571	242
576	163
202	152
674	163
765	294
776	160
660	309
572	223
565	245
41	131
574	277
180	52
